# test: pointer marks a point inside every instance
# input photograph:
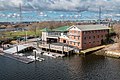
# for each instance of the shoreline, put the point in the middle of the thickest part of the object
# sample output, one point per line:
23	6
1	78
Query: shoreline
105	53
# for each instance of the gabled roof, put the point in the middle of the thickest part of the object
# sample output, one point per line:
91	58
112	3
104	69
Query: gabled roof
91	27
46	30
62	29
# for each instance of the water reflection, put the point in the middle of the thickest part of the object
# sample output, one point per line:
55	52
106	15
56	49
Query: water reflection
90	67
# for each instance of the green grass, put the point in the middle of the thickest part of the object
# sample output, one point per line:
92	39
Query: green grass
22	33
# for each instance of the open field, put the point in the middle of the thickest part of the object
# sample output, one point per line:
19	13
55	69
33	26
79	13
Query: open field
22	33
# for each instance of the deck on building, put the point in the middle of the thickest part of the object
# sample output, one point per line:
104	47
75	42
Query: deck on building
56	47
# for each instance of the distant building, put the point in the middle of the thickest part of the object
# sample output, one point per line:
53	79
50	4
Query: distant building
78	36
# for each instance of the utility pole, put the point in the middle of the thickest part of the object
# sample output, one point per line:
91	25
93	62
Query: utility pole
20	12
35	53
63	49
26	36
100	11
17	48
49	47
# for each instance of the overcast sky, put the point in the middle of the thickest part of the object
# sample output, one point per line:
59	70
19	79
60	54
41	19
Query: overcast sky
64	5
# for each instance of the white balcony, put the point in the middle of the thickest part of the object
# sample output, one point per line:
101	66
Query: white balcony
73	34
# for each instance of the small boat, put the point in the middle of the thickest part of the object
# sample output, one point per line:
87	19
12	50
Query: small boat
21	54
31	57
37	58
50	55
42	59
38	52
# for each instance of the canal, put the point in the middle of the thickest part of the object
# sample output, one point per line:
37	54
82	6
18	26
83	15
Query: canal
76	67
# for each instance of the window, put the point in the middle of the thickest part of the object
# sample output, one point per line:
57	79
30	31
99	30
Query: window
85	32
89	37
74	37
74	43
94	37
93	41
98	36
78	38
70	42
84	37
102	36
78	44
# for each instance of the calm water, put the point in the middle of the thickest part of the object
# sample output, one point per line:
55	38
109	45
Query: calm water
91	67
29	16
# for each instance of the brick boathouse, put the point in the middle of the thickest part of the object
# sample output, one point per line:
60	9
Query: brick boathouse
78	36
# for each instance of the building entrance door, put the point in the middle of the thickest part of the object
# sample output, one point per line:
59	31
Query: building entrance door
64	41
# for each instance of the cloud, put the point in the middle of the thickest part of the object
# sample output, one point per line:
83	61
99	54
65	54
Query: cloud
64	5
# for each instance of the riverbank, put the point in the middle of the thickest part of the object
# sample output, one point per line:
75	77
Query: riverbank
102	51
94	49
108	53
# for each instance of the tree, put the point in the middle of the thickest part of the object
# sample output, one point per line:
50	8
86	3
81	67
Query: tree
116	28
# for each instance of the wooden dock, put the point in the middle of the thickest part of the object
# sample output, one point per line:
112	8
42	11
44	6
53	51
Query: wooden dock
19	58
1	53
91	49
56	48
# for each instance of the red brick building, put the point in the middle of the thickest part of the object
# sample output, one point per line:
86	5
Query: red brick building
78	36
85	36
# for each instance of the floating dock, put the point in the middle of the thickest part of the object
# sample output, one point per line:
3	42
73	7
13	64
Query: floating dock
18	58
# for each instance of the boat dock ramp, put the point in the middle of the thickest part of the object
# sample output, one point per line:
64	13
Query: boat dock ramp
91	49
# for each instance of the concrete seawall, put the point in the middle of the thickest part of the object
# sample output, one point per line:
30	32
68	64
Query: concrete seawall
112	54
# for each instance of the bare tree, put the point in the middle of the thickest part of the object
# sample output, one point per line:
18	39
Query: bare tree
116	28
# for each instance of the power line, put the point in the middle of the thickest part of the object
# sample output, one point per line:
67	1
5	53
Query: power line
20	6
100	11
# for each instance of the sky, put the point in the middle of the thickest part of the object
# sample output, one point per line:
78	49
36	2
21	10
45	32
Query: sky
62	5
86	8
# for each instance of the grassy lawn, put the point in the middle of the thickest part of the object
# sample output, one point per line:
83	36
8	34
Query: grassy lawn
22	33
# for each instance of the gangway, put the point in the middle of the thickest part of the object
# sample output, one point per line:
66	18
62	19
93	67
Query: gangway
16	49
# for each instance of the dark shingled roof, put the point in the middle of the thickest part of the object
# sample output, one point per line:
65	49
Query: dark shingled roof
92	27
62	29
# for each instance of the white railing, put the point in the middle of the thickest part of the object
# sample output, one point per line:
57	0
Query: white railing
74	34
